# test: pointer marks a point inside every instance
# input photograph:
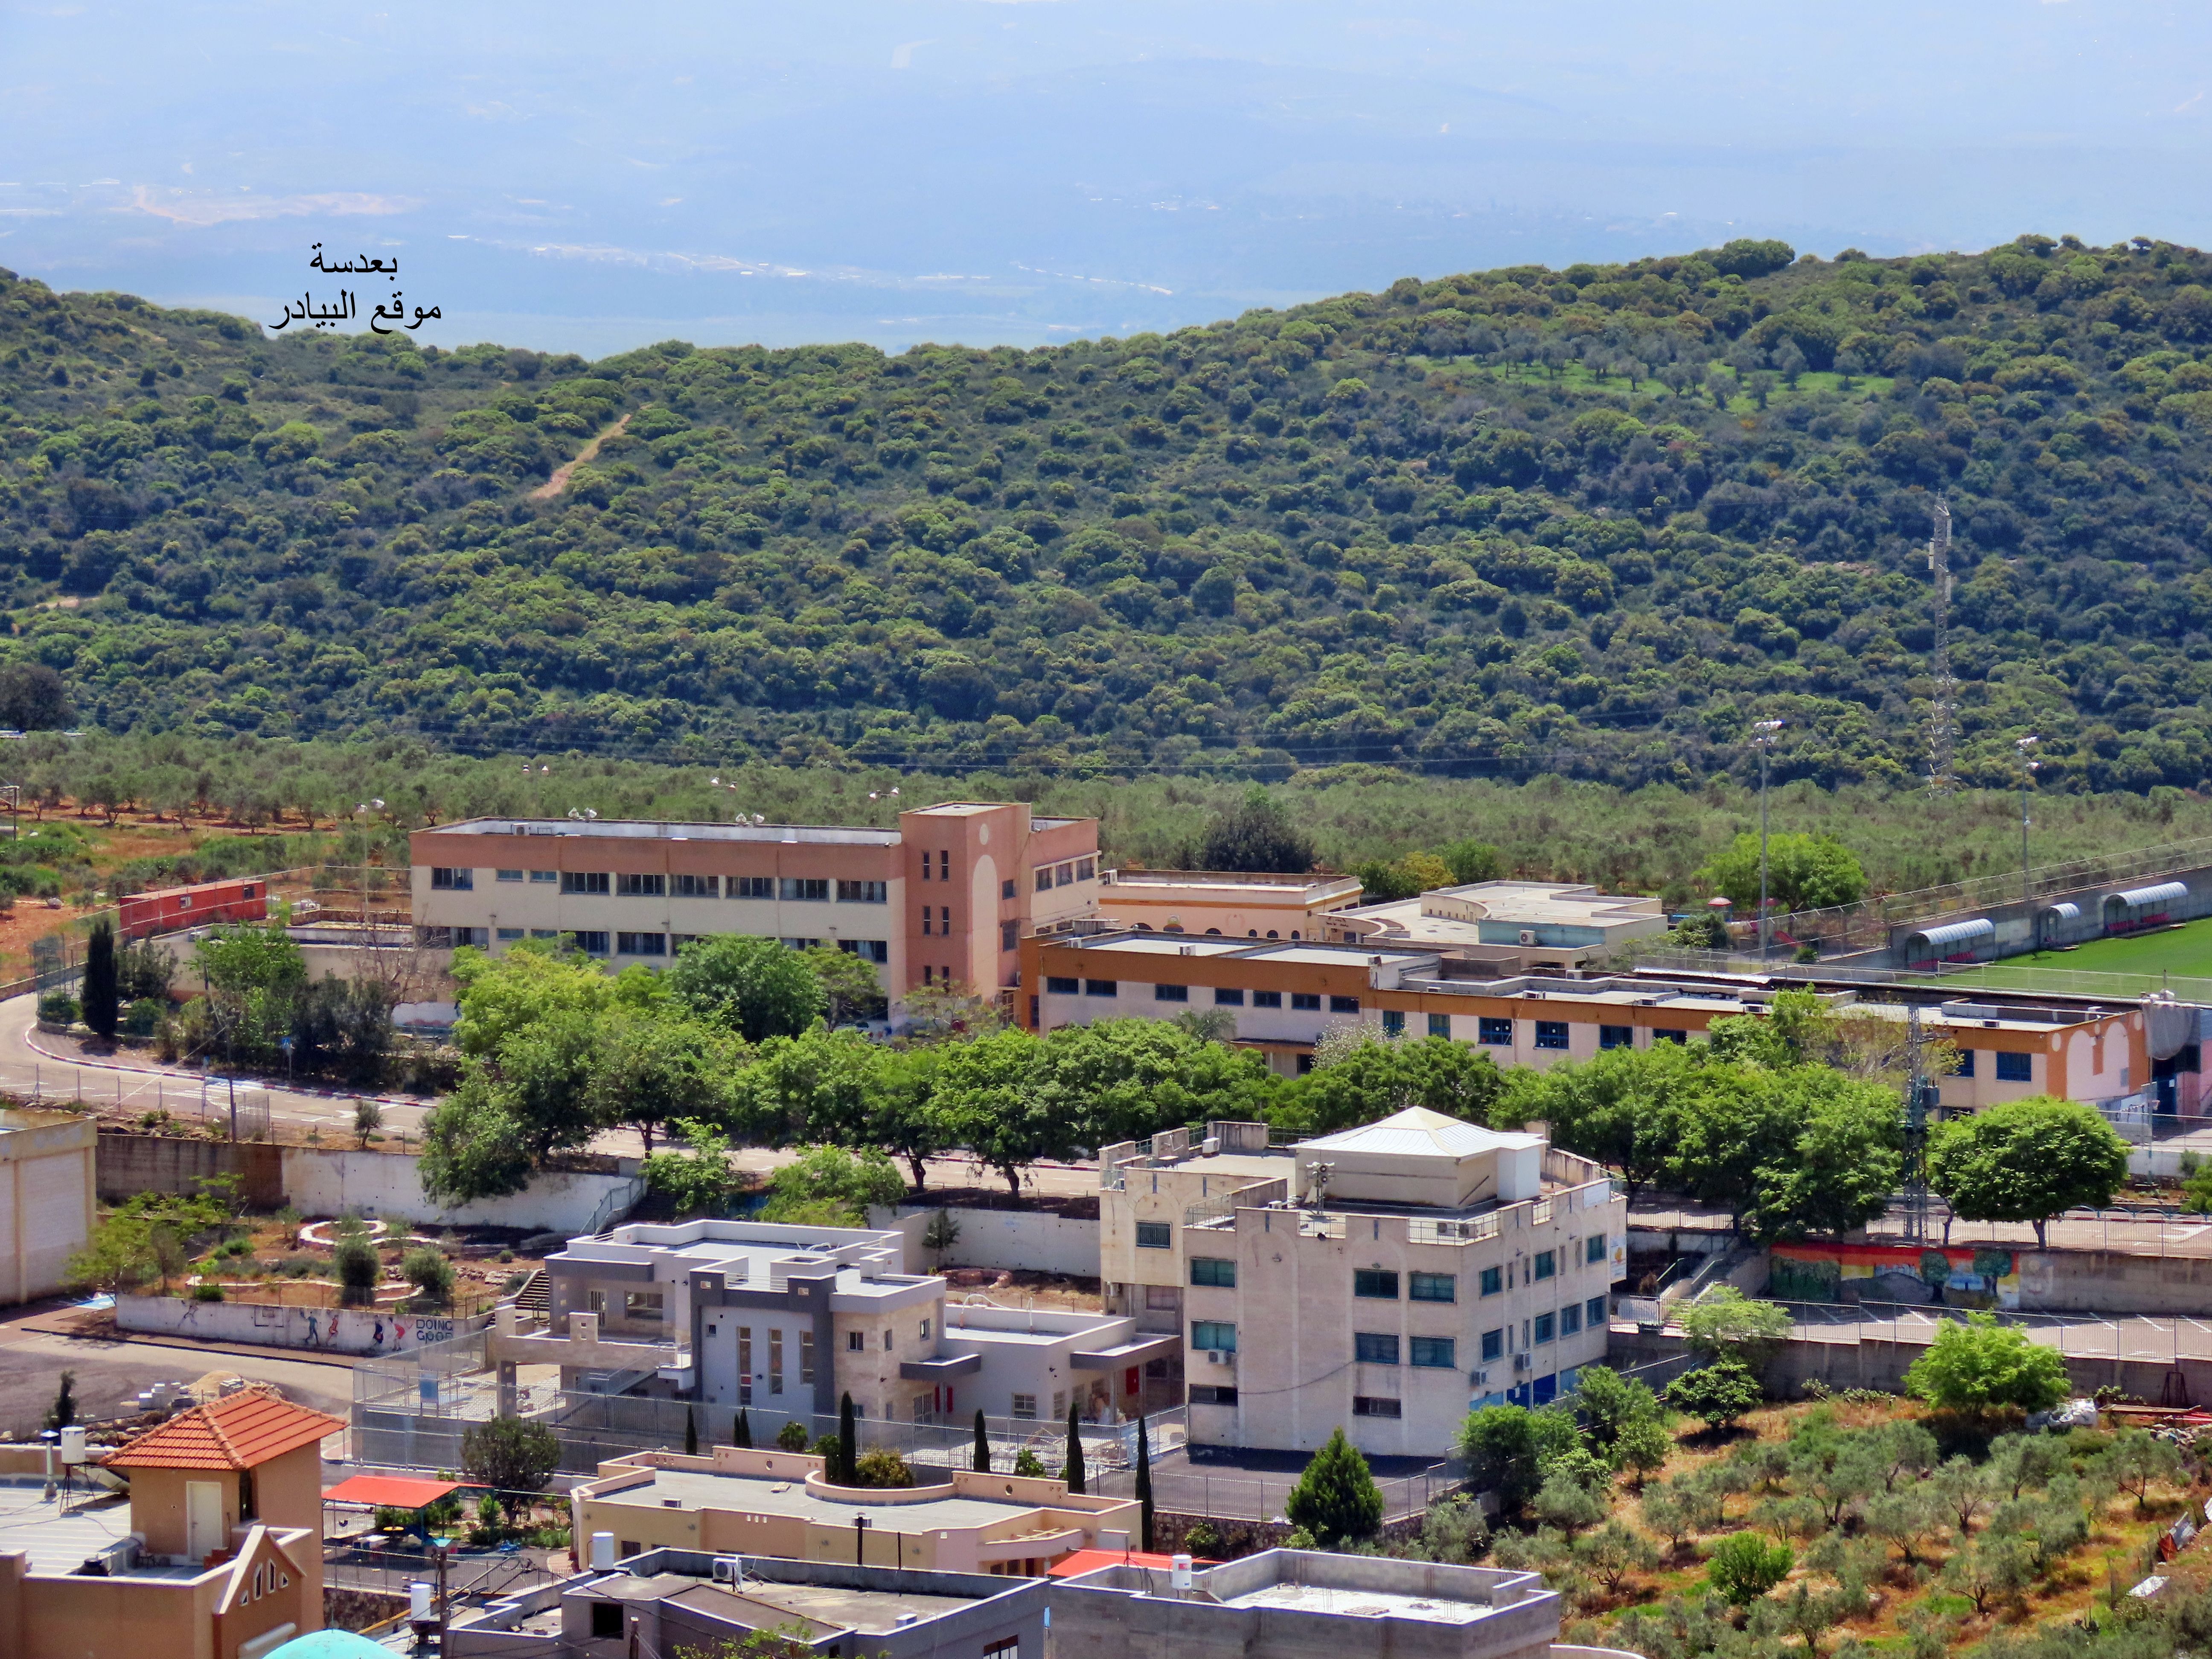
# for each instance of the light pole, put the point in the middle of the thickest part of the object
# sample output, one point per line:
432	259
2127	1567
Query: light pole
361	812
1763	737
2028	770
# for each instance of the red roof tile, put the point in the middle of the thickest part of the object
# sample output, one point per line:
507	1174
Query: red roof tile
237	1433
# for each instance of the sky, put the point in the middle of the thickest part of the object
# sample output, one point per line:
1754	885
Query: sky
592	178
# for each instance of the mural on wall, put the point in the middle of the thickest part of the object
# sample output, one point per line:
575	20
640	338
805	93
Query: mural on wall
1961	1277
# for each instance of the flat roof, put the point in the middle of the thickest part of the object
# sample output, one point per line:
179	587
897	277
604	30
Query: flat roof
1363	1603
697	1489
59	1542
769	834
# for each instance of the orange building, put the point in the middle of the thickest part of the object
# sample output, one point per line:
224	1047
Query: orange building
168	909
1284	996
217	1554
945	898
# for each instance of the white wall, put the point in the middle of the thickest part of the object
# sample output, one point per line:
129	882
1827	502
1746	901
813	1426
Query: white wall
1035	1240
46	1209
334	1330
324	1180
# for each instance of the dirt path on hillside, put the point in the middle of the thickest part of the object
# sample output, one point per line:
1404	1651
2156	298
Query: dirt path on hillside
559	482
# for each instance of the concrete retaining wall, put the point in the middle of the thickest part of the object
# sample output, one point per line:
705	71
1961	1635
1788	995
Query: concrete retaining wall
330	1330
2109	1282
1037	1240
328	1180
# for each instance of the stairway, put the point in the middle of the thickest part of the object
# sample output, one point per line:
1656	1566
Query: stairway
534	1299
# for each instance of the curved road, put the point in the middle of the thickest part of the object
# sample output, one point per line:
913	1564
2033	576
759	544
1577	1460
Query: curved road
128	1083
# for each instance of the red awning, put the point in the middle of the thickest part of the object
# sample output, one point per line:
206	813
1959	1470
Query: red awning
1083	1561
389	1491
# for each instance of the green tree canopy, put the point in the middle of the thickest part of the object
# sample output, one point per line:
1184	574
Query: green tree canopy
1255	835
2026	1160
1979	1363
1336	1498
1803	872
755	987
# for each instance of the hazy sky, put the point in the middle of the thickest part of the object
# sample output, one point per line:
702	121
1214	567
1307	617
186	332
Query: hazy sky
594	176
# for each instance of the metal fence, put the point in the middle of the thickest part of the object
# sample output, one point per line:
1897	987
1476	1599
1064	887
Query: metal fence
2155	1338
1183	1487
494	1573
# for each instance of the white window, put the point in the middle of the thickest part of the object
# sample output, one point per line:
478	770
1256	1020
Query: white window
1025	1405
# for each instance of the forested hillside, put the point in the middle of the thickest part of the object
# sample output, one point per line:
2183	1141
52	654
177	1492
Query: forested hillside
1592	521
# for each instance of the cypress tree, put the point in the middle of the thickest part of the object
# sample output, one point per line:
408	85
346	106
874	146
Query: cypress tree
1144	1488
1336	1498
101	1003
849	1444
690	1432
741	1434
1072	1472
982	1462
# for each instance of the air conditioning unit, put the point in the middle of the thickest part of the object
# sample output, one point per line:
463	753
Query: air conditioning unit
1217	1357
1520	1362
1527	936
1476	1379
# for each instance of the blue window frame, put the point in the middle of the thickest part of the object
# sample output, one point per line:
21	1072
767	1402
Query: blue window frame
1213	1333
1266	999
1551	1034
1172	993
1616	1036
1375	1284
1570	1319
1102	987
1310	1001
1060	987
1440	1026
1225	998
1545	1325
1437	1352
1594	1248
1659	1036
1593	1311
1493	1345
1965	1063
1344	1004
1375	1347
2015	1068
1394	1023
1493	1280
1434	1288
1546	1264
1498	1033
1216	1270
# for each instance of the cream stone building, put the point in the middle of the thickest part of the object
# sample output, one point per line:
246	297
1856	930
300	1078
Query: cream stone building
1385	1279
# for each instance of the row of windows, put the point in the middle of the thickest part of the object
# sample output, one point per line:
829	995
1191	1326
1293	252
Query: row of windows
1049	876
598	942
798	889
1381	1283
2011	1068
1062	985
1377	1284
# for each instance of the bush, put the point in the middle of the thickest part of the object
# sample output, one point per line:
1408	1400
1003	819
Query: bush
1718	1394
1981	1364
430	1274
358	1268
792	1437
1745	1566
57	1008
143	1017
1028	1463
207	1290
881	1467
1727	1324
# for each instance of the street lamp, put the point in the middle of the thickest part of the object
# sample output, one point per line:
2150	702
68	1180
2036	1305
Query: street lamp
2028	768
361	811
1763	735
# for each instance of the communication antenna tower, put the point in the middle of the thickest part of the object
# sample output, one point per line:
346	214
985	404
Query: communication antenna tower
1942	711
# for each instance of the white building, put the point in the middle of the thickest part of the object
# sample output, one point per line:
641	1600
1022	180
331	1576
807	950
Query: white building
1386	1279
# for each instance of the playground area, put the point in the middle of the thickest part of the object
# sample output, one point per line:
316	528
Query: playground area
2178	958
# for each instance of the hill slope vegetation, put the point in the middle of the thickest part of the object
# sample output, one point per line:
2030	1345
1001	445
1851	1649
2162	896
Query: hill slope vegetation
1592	521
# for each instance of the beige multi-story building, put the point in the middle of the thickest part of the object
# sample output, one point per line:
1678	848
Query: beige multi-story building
784	1321
945	898
1385	1279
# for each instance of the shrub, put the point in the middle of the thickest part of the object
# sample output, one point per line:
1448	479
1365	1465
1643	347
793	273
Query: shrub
1980	1365
1745	1566
142	1017
1028	1463
358	1268
881	1467
1336	1498
1717	1394
430	1274
792	1437
57	1008
207	1290
1727	1324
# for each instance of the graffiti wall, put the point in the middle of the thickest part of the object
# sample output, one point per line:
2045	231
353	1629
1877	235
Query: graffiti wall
330	1330
1981	1276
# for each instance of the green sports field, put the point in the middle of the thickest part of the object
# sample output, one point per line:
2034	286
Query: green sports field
2175	958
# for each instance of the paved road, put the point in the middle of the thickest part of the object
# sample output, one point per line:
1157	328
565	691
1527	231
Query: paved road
129	1083
108	1371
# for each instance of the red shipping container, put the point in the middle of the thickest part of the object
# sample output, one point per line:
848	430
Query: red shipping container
245	899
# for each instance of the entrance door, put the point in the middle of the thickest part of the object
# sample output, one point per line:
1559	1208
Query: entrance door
203	1518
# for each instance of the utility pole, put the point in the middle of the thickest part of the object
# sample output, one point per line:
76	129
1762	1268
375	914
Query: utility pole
1918	1089
1763	737
1942	710
2028	770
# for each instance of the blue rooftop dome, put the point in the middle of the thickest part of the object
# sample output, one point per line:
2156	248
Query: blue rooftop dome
329	1644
